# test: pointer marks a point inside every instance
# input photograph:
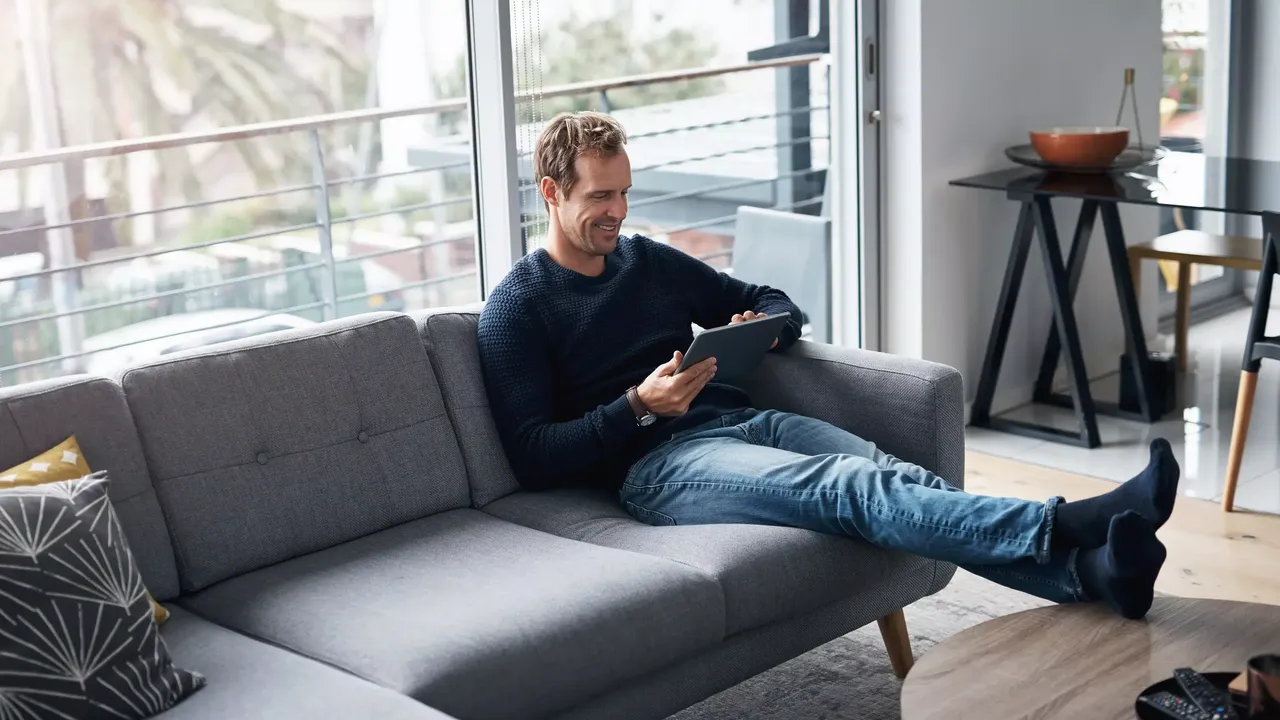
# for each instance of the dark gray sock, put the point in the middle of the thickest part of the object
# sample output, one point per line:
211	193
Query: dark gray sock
1123	572
1151	493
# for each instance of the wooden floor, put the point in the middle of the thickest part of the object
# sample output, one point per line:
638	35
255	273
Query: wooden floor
1212	554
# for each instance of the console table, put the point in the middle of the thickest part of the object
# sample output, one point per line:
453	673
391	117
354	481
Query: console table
1237	186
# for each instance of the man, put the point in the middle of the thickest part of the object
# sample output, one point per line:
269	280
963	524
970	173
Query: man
579	346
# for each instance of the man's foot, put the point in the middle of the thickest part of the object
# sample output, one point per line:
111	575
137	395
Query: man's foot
1123	572
1151	493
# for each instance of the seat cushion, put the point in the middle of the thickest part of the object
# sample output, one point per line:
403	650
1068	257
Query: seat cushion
449	335
251	679
768	573
37	416
272	447
477	616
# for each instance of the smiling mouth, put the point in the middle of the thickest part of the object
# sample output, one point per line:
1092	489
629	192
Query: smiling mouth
606	228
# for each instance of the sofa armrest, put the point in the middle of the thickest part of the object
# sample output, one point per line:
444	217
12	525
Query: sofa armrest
912	409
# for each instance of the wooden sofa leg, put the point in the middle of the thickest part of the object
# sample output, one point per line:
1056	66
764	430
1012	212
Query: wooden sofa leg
893	628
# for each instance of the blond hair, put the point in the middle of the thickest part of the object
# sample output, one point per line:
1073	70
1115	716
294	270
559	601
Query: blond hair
568	137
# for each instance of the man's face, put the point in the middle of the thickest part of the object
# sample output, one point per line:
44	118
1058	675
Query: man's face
592	213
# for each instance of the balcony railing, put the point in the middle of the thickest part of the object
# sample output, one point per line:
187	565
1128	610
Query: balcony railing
90	313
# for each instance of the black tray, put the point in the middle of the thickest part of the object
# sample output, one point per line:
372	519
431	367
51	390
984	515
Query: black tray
1219	679
1129	159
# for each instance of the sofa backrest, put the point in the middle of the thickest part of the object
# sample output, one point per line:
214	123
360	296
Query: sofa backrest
449	334
271	447
34	417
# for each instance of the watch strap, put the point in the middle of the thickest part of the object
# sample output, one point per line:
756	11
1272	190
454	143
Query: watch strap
637	407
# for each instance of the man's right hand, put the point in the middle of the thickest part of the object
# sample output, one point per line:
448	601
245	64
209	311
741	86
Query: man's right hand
667	394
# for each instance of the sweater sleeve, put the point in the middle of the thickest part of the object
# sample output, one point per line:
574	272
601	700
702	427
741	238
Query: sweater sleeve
515	357
718	296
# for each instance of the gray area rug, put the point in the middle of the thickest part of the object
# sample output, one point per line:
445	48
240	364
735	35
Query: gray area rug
849	678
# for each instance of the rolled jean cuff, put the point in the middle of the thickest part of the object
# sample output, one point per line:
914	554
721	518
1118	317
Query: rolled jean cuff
1073	575
1045	540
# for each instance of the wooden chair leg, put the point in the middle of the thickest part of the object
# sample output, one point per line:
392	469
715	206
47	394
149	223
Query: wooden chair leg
1135	270
893	628
1183	314
1239	433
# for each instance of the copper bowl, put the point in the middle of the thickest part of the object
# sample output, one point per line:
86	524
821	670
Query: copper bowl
1080	146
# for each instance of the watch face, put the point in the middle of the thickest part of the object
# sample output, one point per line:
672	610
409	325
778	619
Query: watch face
648	420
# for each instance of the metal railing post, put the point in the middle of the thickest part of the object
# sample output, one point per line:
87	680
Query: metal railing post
324	226
33	17
605	106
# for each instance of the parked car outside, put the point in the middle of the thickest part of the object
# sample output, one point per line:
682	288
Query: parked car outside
150	339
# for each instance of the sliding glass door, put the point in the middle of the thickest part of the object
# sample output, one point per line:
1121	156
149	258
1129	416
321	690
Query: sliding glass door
1195	111
730	107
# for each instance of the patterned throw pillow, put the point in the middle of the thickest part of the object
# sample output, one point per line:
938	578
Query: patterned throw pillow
63	461
77	638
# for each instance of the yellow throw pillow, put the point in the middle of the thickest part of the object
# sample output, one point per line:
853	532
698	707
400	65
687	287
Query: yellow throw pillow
63	461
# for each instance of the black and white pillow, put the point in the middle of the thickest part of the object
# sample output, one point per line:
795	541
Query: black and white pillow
77	635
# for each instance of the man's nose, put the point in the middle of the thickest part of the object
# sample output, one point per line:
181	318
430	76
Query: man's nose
618	209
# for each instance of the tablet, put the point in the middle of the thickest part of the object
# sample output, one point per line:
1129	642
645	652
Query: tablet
738	347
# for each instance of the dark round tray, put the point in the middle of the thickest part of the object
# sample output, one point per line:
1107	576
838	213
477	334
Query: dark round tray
1129	159
1219	679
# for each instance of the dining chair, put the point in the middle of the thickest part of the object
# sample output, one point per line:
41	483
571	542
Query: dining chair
791	252
1257	347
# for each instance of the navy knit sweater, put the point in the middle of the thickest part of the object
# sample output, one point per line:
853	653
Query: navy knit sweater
560	349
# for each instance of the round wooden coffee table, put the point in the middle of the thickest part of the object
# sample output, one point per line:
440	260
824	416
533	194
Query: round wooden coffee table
1082	661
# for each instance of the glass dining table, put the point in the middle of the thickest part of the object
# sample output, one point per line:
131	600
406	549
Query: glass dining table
1237	186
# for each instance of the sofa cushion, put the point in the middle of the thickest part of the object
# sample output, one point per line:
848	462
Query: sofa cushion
476	616
37	416
768	573
274	446
450	338
251	679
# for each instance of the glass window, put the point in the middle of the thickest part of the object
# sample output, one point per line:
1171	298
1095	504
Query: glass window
340	216
710	138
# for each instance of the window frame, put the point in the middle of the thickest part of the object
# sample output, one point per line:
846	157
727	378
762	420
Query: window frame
494	153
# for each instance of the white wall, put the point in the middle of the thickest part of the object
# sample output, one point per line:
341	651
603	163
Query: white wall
902	229
1260	86
963	80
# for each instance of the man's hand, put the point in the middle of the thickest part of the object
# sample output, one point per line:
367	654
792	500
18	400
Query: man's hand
749	315
668	394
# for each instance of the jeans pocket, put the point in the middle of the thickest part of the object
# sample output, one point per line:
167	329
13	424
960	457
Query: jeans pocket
649	517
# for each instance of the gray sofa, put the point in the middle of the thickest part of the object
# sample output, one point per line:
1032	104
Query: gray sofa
331	520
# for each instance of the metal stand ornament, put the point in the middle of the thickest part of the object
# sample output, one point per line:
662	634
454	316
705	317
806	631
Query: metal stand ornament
1128	91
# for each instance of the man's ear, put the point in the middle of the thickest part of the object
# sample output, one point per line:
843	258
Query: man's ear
549	191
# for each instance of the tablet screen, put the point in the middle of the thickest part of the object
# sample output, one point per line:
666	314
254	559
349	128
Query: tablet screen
738	347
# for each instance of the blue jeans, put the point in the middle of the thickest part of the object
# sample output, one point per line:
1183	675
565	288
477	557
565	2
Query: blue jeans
774	468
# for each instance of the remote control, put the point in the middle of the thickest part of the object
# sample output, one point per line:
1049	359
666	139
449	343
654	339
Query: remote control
1207	696
1175	707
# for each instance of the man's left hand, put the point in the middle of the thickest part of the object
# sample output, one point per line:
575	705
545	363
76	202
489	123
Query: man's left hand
749	315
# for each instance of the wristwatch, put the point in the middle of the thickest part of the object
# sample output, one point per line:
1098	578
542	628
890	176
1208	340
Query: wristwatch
644	418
